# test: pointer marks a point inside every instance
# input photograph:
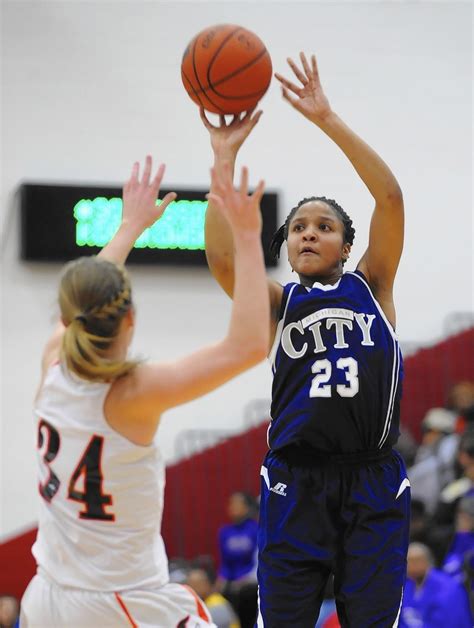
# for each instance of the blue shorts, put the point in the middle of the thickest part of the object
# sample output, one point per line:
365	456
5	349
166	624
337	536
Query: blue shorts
348	517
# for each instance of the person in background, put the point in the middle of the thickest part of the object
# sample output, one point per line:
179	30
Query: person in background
238	557
431	598
433	466
9	611
459	560
222	612
451	494
461	401
423	531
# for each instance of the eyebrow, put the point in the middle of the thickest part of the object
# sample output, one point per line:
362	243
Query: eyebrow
327	218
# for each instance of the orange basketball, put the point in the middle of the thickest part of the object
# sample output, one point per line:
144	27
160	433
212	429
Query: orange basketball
226	69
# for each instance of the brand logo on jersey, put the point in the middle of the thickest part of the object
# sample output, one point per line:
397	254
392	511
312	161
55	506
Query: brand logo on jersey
279	489
336	321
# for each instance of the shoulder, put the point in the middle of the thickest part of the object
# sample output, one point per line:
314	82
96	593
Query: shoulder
382	297
275	291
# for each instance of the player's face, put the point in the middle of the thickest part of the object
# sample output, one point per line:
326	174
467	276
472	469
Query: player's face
417	564
237	508
316	243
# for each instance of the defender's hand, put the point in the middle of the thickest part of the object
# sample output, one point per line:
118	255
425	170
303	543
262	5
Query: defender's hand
240	209
139	197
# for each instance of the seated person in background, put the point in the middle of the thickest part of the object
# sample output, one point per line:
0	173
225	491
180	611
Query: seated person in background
461	401
433	466
222	613
9	611
432	599
423	531
238	557
454	491
459	561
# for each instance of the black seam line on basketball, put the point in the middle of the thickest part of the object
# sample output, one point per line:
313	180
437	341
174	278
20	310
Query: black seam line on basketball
253	95
232	74
199	82
213	58
192	88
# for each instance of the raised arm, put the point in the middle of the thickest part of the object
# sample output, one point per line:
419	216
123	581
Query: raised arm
380	261
153	388
139	211
226	140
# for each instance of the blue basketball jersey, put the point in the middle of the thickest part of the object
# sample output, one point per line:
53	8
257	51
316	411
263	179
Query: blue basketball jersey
337	370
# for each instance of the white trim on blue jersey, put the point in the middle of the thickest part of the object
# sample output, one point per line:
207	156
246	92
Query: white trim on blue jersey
395	366
279	331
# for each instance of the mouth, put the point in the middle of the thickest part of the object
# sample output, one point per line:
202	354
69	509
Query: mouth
308	251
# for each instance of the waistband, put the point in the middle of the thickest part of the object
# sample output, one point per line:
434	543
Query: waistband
302	455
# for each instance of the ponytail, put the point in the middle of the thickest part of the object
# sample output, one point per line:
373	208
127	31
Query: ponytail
94	297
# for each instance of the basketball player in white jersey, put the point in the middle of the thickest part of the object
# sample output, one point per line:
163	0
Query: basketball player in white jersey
101	559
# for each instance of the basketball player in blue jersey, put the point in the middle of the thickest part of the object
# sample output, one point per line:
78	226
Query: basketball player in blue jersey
335	496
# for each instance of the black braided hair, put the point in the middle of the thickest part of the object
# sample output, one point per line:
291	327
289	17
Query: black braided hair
282	233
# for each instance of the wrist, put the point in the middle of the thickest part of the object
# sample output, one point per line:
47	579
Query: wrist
248	236
225	154
327	120
128	230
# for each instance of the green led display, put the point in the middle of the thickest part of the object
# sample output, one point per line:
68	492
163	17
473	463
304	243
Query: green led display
180	227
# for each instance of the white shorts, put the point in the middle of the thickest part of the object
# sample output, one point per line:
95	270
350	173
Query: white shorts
48	605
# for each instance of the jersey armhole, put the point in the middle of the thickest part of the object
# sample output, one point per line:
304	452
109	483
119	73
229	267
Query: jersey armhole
361	274
363	279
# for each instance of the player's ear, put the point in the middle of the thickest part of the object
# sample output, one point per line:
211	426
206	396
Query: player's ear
346	252
130	316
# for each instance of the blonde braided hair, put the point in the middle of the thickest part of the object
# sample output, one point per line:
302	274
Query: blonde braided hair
94	296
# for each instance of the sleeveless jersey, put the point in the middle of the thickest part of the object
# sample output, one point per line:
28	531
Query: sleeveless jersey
337	370
101	495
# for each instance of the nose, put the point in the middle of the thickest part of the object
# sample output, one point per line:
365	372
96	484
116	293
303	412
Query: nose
309	235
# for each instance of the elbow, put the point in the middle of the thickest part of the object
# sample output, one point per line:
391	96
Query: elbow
252	353
259	353
395	196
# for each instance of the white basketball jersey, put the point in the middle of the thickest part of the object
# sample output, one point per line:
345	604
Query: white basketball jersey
101	495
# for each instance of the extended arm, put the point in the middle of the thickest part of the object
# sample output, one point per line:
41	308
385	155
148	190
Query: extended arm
380	261
139	212
153	388
226	140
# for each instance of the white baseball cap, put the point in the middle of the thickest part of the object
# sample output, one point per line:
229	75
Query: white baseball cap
439	419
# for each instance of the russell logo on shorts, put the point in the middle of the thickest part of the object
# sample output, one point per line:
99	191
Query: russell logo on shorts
279	489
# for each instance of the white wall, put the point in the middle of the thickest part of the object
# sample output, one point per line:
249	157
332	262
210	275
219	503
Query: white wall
88	87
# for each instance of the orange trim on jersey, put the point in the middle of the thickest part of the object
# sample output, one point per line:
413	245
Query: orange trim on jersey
201	609
125	610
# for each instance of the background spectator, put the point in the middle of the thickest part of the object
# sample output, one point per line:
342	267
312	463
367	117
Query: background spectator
453	492
461	401
238	555
459	561
9	611
222	613
433	466
431	597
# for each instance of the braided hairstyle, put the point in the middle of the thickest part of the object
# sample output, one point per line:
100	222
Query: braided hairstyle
282	233
94	296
